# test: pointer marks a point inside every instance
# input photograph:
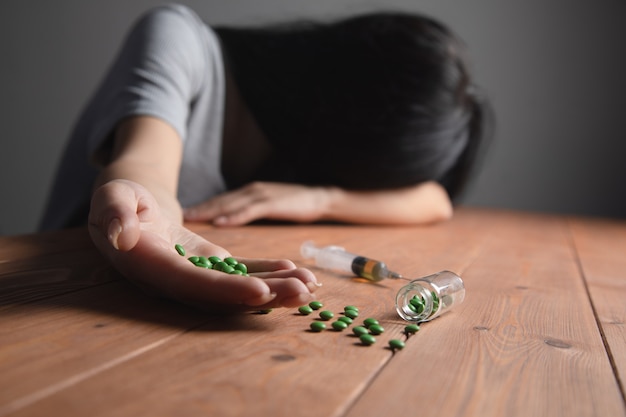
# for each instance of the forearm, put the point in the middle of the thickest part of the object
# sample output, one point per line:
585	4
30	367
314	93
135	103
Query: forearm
421	204
147	151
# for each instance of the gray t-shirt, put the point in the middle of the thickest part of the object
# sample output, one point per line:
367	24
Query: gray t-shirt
170	67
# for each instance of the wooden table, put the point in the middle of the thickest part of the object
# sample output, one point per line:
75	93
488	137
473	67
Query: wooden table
540	333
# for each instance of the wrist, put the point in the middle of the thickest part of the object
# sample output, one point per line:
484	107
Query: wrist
330	201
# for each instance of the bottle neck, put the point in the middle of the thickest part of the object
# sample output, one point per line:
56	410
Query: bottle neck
418	301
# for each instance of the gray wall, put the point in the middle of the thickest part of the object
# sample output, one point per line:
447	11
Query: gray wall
555	71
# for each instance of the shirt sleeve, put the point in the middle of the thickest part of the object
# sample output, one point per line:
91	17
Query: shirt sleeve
157	73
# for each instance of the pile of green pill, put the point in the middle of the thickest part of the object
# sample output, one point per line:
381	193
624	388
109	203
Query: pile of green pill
417	304
227	265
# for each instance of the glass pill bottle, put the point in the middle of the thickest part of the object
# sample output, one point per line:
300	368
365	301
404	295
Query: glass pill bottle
425	298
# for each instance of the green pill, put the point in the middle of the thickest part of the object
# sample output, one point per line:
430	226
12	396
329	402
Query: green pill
346	308
228	269
193	259
411	328
231	261
266	311
367	339
221	266
417	305
204	262
339	325
318	326
353	314
345	319
179	248
306	310
214	259
376	329
326	315
316	305
359	330
236	272
369	322
241	267
396	344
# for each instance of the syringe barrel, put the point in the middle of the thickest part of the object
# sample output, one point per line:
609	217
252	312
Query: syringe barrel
330	257
335	258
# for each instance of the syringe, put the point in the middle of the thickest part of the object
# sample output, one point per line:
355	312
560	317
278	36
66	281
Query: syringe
336	257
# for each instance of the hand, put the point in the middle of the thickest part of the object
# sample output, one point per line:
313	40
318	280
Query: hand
262	200
128	227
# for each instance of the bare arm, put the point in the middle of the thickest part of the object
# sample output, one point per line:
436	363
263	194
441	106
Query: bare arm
424	203
420	204
135	220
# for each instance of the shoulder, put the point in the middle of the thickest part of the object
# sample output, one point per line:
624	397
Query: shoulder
174	21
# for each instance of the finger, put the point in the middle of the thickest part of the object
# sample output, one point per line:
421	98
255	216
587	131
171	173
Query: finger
113	215
254	210
290	292
304	275
217	206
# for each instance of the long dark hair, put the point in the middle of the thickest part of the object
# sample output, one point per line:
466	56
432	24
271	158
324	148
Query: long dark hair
381	100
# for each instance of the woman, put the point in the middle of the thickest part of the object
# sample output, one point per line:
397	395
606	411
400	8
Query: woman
365	120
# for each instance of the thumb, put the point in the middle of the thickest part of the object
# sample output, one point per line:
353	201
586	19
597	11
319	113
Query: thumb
113	219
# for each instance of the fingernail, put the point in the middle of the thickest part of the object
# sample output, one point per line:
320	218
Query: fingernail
263	299
115	228
313	286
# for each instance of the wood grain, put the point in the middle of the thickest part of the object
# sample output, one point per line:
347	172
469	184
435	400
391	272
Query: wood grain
525	341
601	247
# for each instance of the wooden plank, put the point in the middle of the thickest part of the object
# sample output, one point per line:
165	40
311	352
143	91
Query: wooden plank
48	345
271	364
524	343
34	267
601	247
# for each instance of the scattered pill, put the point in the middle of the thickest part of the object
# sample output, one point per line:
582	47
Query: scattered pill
396	344
367	339
318	326
339	325
345	319
316	305
306	310
411	328
179	248
359	330
326	315
353	314
376	329
351	308
369	321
